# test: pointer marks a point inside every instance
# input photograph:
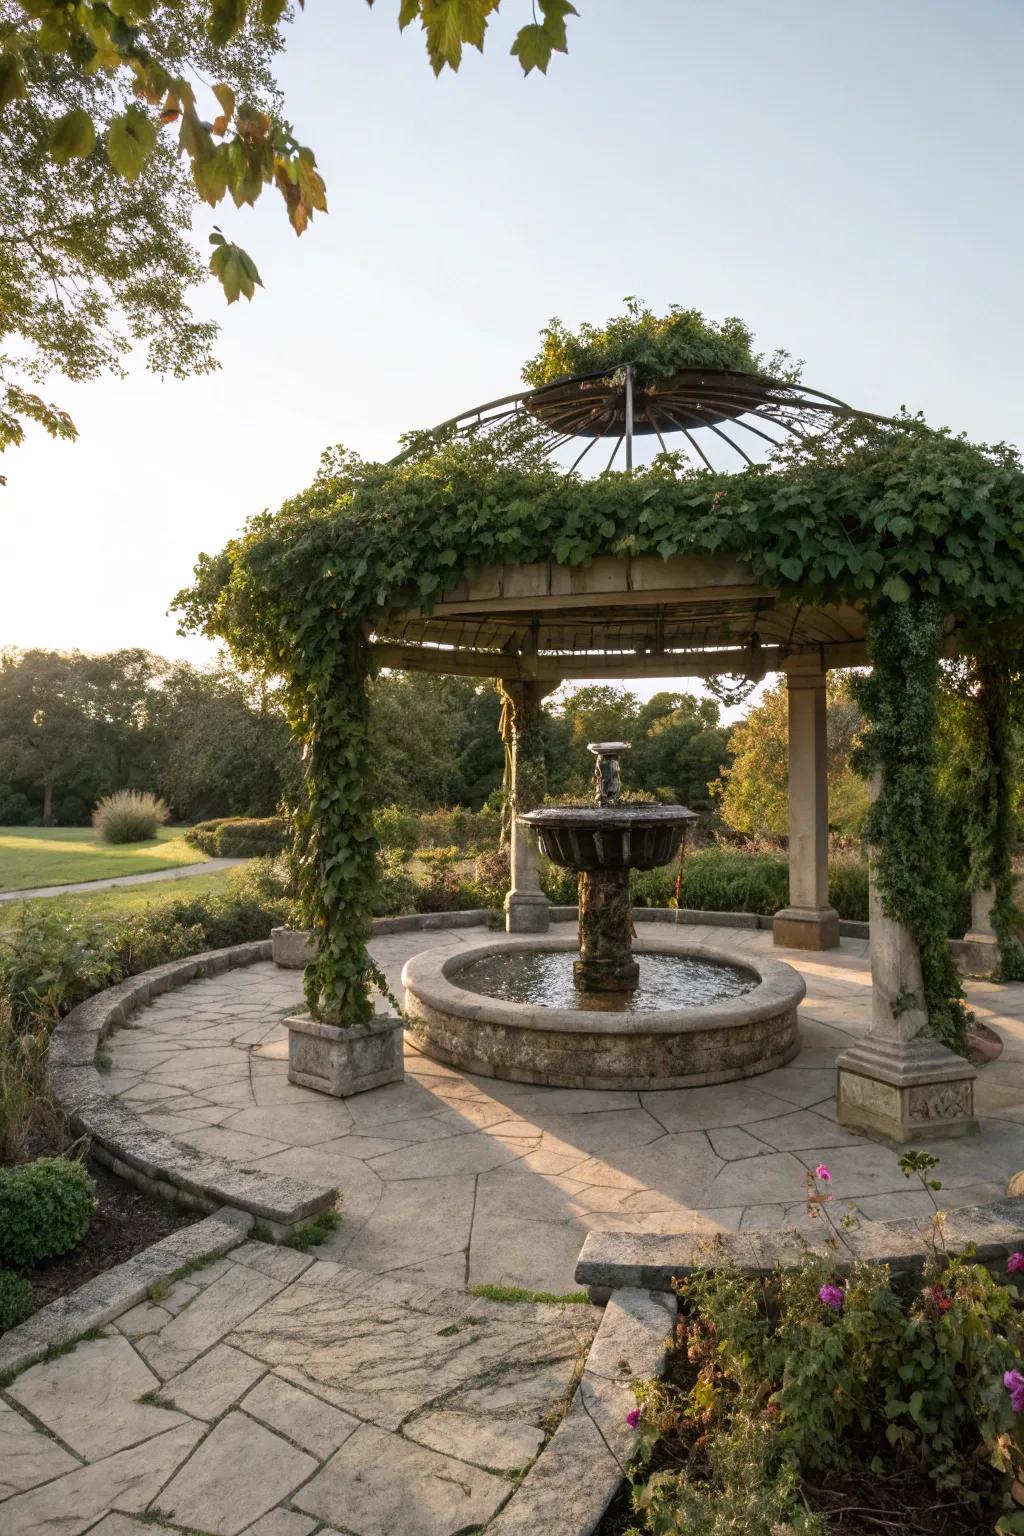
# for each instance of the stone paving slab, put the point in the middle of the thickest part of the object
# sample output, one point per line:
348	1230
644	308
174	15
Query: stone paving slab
466	1180
314	1392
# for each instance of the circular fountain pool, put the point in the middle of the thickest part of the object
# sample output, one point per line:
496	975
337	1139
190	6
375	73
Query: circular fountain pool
545	978
509	1009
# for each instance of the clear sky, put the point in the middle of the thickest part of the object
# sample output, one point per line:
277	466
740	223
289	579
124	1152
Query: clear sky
845	176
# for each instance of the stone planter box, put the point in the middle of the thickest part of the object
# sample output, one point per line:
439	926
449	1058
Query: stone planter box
291	947
342	1062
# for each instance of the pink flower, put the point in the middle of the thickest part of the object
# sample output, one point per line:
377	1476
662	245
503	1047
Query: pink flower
832	1296
1013	1381
1015	1264
633	1418
822	1173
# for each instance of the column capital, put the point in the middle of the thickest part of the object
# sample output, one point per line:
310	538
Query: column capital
805	671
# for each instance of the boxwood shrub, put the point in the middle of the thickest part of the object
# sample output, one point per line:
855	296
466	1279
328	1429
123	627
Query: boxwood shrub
45	1209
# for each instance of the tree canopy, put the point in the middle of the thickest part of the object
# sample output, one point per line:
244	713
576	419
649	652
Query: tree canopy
116	121
752	794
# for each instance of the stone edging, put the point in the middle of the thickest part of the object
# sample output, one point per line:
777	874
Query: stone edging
572	1482
107	1295
143	1156
611	1259
290	944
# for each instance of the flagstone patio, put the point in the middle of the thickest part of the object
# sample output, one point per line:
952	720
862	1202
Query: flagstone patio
277	1394
457	1181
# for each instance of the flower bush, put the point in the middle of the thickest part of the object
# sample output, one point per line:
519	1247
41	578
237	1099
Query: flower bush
801	1391
129	816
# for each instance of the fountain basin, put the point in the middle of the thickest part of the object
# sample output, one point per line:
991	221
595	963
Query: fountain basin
613	837
591	1047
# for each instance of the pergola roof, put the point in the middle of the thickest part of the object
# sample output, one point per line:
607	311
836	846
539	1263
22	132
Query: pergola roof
632	616
625	617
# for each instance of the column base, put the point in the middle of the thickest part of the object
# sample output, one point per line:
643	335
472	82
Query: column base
976	954
905	1091
342	1062
806	928
527	912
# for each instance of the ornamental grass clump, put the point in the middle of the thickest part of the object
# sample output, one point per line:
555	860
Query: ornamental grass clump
129	816
834	1387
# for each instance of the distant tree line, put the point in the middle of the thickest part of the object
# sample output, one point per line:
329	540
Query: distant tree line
212	742
74	727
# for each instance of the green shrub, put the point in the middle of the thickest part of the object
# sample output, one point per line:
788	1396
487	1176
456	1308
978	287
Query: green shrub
469	831
240	837
129	816
848	887
269	881
724	880
442	889
395	889
395	829
45	1209
15	1299
52	959
492	876
560	886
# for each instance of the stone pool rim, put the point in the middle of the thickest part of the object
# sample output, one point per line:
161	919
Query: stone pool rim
431	978
721	1042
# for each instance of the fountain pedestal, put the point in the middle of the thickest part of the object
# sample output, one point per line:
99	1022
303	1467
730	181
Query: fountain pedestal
606	961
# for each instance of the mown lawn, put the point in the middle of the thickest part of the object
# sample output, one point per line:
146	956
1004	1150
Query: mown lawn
120	900
31	856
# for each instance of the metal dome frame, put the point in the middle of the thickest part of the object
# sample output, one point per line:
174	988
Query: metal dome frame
612	404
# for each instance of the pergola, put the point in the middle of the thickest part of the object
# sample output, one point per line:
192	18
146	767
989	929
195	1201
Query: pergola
533	626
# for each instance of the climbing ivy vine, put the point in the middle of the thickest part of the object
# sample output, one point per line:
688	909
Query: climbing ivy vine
923	530
899	698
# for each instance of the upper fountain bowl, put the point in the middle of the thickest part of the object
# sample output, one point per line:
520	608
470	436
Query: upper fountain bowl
611	836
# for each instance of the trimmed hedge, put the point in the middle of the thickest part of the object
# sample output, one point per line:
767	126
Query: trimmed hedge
240	837
45	1209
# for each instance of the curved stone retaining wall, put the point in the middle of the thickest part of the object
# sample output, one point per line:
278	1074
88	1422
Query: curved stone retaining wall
122	1141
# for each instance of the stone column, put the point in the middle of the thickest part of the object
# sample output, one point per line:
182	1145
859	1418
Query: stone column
899	1082
526	907
808	922
977	953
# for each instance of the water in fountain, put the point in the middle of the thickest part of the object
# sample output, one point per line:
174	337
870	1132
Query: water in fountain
545	979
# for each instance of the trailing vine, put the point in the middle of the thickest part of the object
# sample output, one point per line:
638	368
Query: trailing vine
899	700
918	527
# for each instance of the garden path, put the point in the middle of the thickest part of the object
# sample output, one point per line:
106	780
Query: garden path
179	872
454	1180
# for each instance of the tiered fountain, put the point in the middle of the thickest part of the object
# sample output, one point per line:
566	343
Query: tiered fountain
674	1014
